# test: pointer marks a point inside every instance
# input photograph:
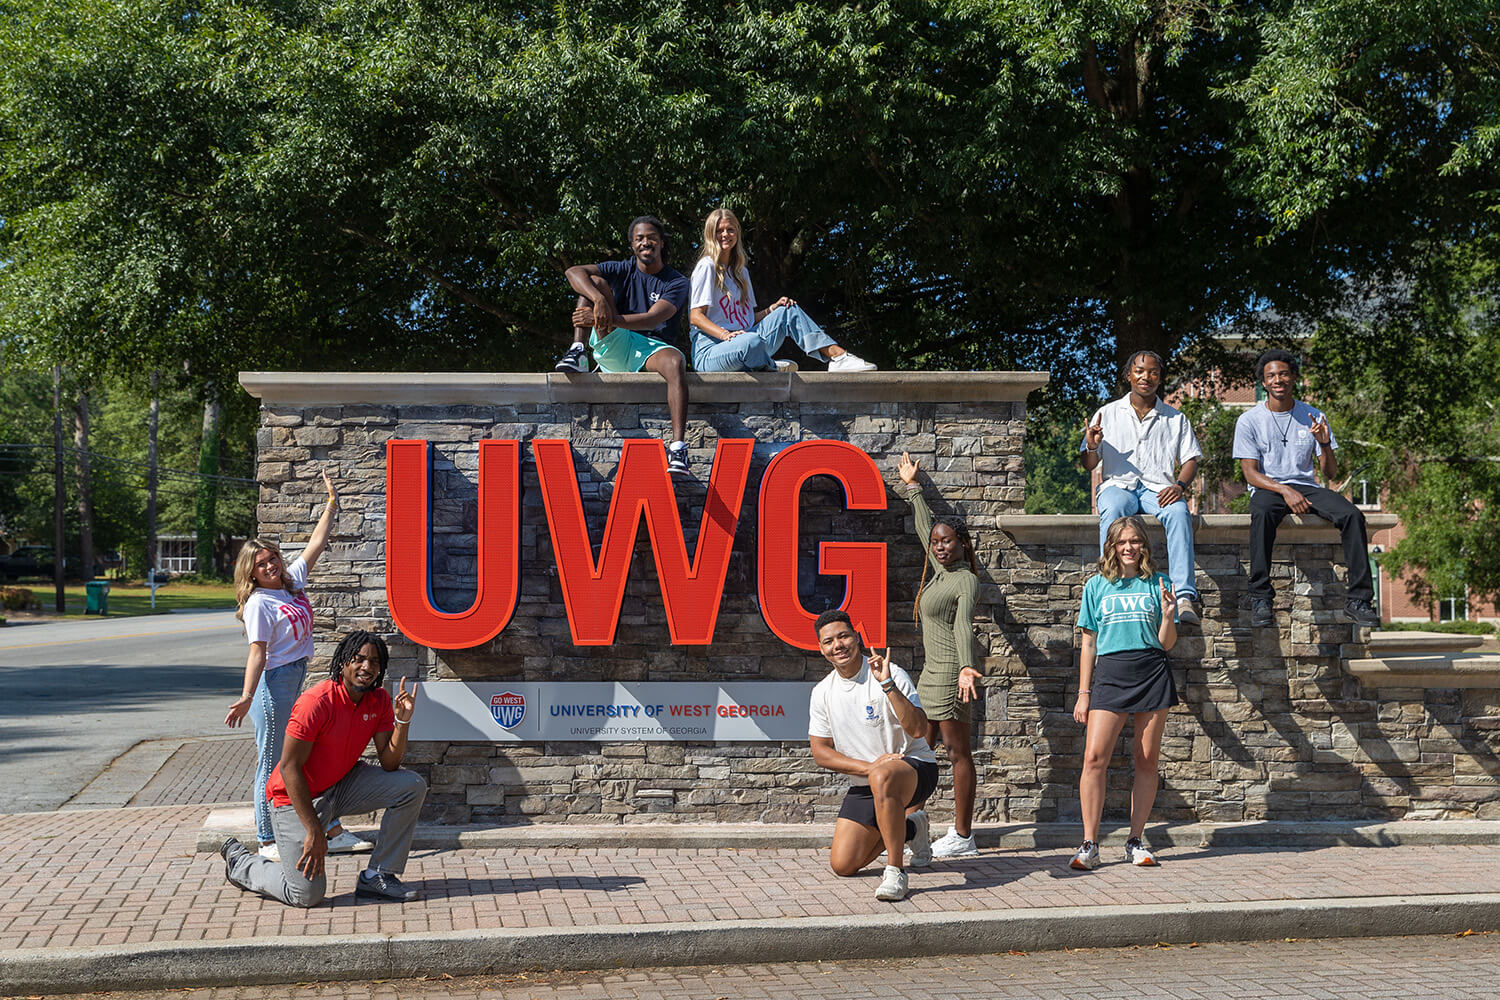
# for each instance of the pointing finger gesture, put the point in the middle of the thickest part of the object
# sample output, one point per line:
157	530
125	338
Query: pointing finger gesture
1093	434
1168	599
406	701
1319	430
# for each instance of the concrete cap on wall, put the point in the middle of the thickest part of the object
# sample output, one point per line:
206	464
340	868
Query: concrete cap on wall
510	388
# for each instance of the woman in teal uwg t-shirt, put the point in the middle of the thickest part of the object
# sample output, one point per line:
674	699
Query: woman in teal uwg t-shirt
1129	621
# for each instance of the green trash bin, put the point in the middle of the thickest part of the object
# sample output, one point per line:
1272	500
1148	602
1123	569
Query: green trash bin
98	597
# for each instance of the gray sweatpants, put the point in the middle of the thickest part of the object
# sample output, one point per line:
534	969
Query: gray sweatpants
364	789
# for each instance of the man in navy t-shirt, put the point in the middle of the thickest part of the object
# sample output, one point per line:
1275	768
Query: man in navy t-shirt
627	313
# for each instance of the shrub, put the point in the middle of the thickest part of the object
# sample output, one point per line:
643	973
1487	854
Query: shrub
1459	627
18	599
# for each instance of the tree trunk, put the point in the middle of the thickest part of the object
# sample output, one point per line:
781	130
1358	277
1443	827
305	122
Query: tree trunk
59	536
208	483
152	415
85	485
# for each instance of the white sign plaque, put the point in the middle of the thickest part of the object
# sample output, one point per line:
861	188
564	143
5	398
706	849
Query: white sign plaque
603	711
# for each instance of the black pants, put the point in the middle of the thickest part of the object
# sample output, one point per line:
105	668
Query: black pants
1267	508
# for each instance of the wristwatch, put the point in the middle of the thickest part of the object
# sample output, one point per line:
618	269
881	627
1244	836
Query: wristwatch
1182	486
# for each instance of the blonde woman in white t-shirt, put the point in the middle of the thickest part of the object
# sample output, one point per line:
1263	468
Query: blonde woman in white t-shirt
729	334
278	620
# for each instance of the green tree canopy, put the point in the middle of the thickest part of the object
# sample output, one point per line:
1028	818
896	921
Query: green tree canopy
1009	184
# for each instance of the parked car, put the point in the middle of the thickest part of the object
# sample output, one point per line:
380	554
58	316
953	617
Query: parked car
35	560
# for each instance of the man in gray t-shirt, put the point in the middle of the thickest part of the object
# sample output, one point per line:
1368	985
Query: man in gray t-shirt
1278	442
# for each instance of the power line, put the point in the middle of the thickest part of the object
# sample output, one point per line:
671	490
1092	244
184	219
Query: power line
232	481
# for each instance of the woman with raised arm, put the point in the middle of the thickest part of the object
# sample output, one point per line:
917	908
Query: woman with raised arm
729	334
1129	621
278	621
944	610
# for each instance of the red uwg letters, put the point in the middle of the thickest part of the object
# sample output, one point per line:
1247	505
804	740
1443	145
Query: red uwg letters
593	590
691	592
862	564
408	467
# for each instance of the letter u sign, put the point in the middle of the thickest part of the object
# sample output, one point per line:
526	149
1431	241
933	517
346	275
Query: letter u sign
594	587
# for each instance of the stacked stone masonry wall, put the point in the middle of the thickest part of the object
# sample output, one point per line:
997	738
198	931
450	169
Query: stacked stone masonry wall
1271	726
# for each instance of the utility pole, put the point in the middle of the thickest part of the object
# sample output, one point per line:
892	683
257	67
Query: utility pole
151	420
59	498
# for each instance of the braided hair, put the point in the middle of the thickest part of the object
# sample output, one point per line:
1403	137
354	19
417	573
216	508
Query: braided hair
353	643
962	531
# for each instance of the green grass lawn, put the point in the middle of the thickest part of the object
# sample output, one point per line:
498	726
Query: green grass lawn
126	599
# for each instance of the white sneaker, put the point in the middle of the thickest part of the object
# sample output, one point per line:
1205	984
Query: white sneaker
850	362
1138	853
921	839
786	367
954	846
270	851
1087	858
893	886
348	843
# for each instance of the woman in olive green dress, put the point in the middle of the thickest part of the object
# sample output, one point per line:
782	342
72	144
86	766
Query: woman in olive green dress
944	609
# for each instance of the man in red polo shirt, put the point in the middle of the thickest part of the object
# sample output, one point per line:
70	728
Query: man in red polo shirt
321	776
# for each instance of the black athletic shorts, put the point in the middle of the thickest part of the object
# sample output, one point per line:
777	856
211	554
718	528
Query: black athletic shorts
859	802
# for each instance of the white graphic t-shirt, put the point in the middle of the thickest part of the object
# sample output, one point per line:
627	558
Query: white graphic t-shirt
858	716
282	620
726	308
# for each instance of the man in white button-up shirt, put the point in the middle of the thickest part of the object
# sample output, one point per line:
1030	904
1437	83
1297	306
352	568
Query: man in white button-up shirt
1150	455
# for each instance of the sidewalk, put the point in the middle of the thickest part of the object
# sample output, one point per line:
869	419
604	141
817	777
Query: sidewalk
122	899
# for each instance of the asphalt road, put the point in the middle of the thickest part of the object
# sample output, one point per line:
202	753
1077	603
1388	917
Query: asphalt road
75	695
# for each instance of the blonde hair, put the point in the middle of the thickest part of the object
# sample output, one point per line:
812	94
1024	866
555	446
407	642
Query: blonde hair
731	262
244	578
1109	559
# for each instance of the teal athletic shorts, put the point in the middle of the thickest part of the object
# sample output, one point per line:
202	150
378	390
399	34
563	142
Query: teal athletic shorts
624	350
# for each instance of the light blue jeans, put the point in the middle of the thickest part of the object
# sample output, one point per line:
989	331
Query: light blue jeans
1175	518
755	350
269	711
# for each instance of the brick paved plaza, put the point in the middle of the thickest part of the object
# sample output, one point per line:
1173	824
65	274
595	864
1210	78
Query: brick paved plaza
131	876
129	882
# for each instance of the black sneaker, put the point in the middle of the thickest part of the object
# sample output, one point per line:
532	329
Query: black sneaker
677	461
383	885
232	851
1361	613
576	360
1262	615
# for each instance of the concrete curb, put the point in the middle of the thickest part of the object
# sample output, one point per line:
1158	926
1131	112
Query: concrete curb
885	935
238	822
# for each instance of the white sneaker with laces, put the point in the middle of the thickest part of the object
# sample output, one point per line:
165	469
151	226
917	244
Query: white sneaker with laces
270	851
953	846
850	362
677	461
1087	858
348	843
921	839
892	886
1138	853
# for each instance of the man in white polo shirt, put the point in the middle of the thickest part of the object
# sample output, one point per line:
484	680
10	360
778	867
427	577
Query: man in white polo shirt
866	720
1150	456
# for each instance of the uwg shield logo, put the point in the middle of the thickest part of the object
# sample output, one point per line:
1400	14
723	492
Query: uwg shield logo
508	708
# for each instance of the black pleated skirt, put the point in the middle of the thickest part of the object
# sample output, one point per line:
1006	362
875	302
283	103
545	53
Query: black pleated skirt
1132	680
